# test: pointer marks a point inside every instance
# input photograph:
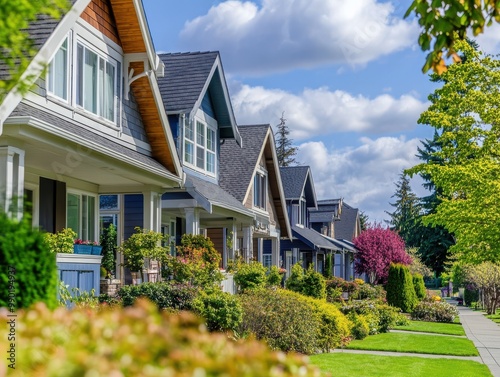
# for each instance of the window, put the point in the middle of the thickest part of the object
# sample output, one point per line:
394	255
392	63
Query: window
267	260
200	146
57	73
259	190
95	83
81	215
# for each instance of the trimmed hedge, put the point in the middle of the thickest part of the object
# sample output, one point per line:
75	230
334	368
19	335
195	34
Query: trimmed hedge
165	295
137	341
419	286
400	290
28	270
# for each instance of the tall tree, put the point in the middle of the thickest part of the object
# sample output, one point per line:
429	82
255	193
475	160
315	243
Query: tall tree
363	220
445	22
378	247
284	149
465	112
17	48
406	215
434	241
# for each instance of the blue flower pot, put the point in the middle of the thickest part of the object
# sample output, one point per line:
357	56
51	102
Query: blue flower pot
96	250
82	249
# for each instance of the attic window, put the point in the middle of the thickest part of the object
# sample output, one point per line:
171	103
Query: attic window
200	146
57	73
259	190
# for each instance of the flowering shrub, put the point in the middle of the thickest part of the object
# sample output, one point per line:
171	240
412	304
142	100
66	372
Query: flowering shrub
369	292
137	341
434	312
197	262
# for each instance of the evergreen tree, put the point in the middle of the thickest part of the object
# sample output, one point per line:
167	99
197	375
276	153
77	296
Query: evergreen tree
284	149
363	220
400	289
405	217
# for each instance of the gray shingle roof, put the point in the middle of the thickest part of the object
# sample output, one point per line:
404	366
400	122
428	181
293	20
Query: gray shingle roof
320	217
215	194
346	227
326	212
312	238
185	77
238	164
68	127
181	88
297	179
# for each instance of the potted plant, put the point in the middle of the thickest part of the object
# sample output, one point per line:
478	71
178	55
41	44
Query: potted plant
62	241
96	248
140	245
82	247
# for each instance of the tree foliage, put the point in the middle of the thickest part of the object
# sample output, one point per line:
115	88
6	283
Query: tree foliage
378	247
405	218
284	149
465	113
446	22
486	277
17	49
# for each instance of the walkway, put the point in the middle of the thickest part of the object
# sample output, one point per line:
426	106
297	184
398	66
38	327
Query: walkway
486	337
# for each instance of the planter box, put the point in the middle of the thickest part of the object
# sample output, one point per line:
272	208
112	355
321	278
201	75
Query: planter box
96	250
82	249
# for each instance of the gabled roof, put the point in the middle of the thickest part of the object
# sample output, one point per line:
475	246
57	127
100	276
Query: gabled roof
313	239
343	245
238	166
328	211
188	77
137	46
349	222
297	181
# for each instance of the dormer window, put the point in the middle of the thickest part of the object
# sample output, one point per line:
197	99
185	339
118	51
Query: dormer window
200	145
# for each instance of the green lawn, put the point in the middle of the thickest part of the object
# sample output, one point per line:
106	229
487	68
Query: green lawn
434	327
416	343
349	365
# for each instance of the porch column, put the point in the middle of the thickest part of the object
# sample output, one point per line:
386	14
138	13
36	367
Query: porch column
275	252
247	243
225	248
12	181
192	221
152	211
315	260
341	265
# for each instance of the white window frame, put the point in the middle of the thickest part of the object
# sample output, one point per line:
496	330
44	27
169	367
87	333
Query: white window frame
49	78
95	221
100	57
260	197
199	143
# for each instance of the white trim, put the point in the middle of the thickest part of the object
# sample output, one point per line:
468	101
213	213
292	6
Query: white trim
36	66
94	146
78	258
69	64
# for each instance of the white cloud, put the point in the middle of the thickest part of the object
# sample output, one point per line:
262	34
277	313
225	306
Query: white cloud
281	35
489	41
363	176
320	111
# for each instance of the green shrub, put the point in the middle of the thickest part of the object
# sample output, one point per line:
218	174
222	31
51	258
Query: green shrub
28	271
380	317
470	296
313	284
369	292
328	266
250	276
434	312
62	241
165	295
274	276
282	320
400	290
296	278
77	298
221	310
360	326
419	286
108	243
334	329
137	341
335	285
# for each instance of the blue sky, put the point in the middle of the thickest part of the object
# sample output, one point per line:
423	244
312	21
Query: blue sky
346	74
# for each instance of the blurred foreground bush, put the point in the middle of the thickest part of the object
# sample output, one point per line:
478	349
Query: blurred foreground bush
136	341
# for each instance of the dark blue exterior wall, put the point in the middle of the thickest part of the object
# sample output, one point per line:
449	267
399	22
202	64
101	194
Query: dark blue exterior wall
133	213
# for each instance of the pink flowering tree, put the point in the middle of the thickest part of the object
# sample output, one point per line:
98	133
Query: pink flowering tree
378	247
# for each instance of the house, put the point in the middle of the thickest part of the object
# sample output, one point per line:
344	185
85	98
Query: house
340	224
307	245
90	144
201	118
251	174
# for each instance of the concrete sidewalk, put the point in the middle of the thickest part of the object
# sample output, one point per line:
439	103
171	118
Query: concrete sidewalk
486	337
